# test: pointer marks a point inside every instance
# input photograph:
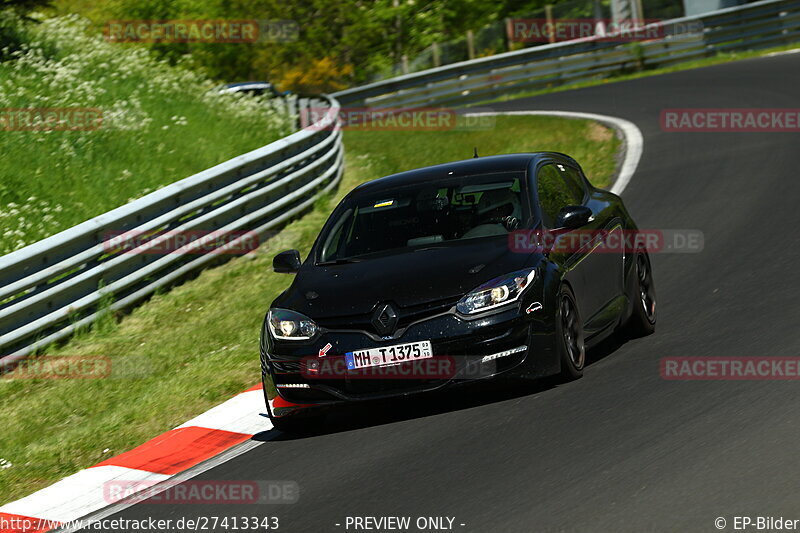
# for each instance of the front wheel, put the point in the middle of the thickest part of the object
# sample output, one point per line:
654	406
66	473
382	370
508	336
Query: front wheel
569	329
642	321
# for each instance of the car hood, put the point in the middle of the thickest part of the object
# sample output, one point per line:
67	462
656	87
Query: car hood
407	279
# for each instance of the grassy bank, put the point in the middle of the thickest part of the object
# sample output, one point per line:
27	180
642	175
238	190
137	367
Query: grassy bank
185	351
158	124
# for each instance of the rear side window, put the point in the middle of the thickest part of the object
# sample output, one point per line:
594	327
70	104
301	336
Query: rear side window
557	186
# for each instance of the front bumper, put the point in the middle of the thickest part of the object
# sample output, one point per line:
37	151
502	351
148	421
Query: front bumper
466	350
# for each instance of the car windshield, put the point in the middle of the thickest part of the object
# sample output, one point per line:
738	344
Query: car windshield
423	216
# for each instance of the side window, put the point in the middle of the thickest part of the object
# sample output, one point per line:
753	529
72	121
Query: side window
574	182
554	192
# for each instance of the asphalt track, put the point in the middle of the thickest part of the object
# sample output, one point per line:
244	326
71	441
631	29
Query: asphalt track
620	449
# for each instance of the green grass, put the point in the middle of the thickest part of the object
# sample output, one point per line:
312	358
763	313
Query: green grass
724	57
159	124
187	350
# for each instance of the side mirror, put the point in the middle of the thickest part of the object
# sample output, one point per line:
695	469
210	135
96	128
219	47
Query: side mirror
287	262
573	216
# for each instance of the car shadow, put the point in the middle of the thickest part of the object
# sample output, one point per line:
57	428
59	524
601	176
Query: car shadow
604	348
382	412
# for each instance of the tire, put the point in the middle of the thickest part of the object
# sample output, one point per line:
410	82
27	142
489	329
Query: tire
642	321
569	333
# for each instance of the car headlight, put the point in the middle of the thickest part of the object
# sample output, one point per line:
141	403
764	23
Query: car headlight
499	291
290	326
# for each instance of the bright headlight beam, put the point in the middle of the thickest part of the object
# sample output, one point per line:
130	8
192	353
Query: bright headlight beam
284	324
497	292
500	294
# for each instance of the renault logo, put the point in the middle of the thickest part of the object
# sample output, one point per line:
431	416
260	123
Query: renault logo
384	320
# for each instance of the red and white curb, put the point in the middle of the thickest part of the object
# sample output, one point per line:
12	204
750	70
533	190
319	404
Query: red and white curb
177	450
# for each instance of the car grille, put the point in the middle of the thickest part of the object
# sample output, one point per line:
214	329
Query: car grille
405	316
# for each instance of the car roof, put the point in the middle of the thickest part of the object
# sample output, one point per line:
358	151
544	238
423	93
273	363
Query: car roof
467	167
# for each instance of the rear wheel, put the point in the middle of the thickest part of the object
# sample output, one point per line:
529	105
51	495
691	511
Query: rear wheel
569	329
643	317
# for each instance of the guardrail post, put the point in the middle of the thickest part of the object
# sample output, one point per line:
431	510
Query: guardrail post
509	34
548	13
293	111
785	31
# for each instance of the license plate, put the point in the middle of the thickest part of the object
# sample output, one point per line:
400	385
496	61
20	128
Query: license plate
388	355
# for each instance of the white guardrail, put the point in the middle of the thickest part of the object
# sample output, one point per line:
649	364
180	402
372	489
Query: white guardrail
52	287
757	25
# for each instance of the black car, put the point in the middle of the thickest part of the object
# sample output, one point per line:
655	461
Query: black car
489	267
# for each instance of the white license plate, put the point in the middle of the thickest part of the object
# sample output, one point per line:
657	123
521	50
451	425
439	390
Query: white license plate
388	355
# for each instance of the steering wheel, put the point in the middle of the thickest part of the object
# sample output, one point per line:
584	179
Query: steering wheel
510	222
